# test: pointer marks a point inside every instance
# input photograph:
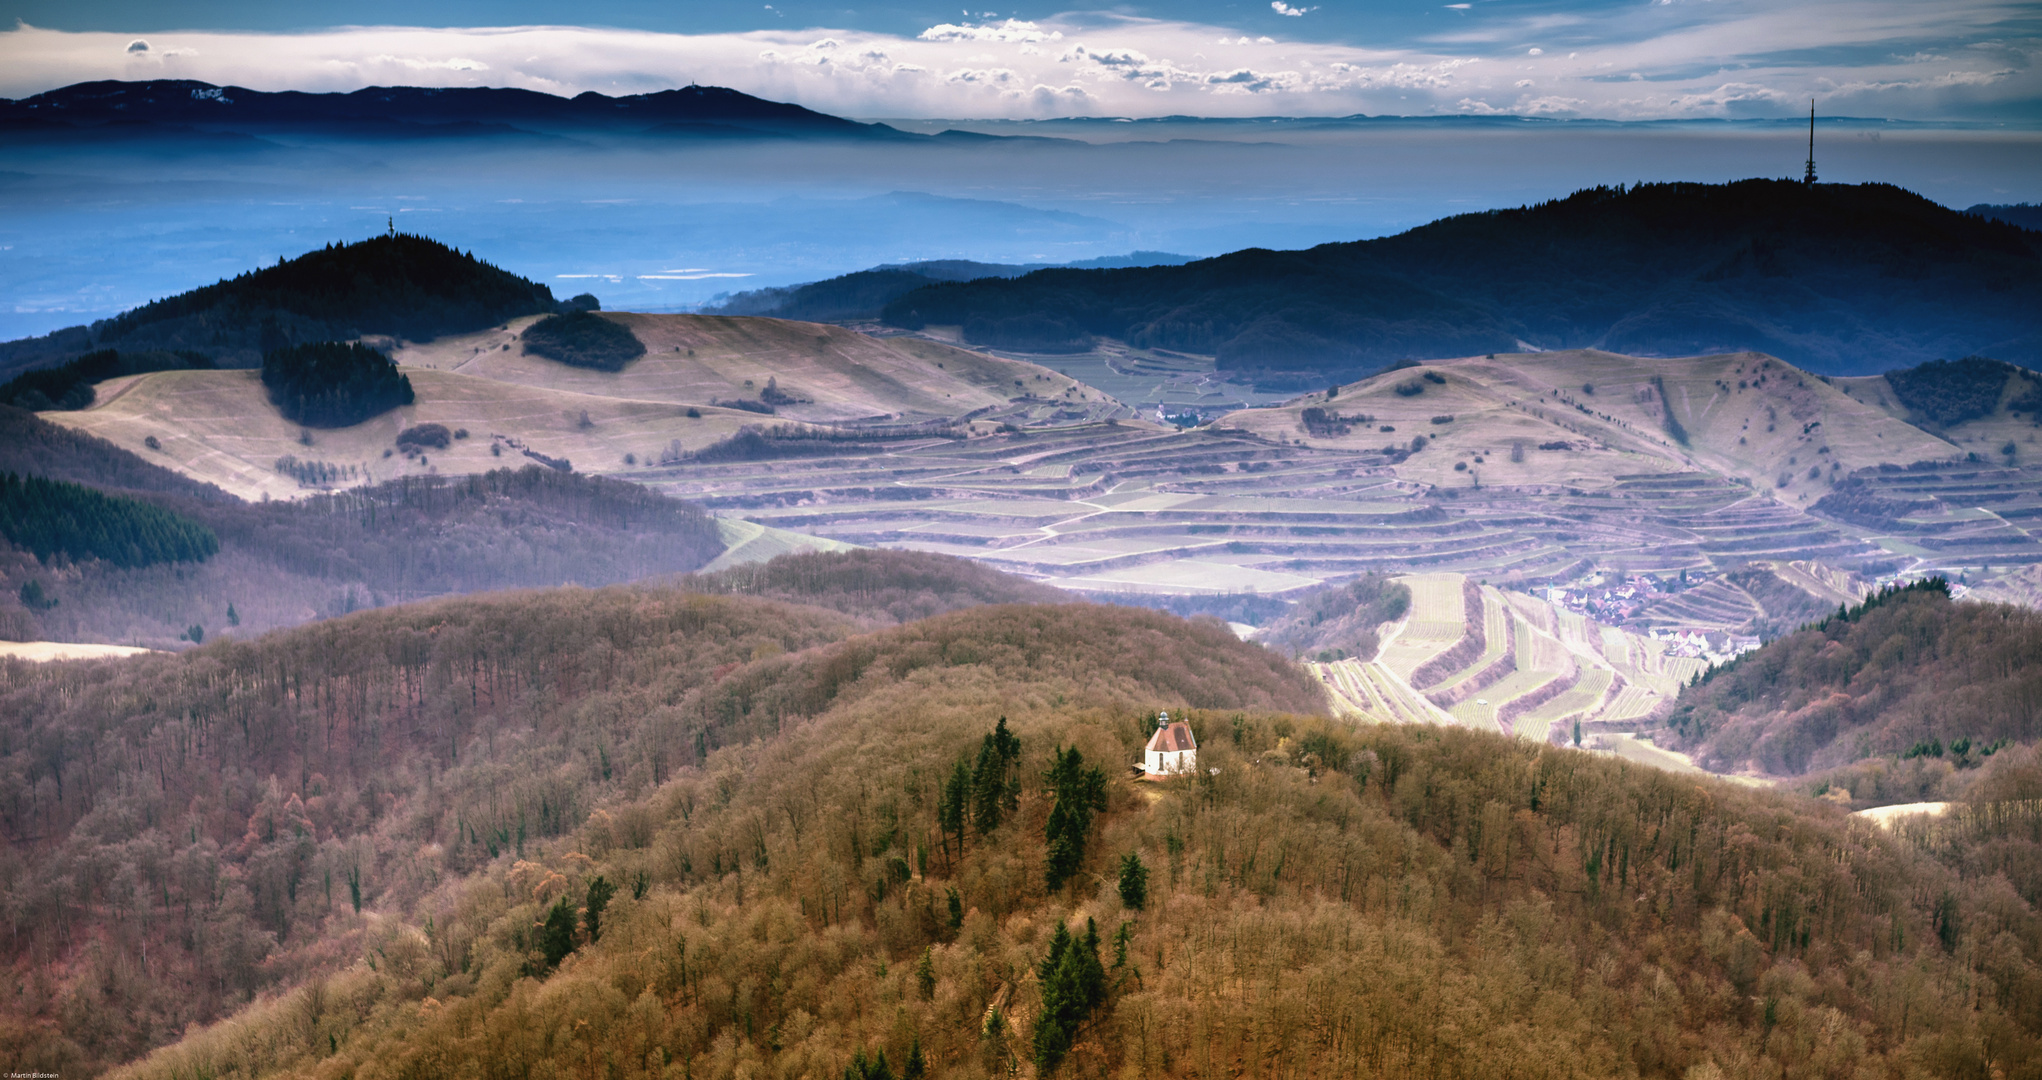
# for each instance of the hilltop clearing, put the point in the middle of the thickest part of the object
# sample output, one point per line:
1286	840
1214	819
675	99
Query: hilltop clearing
1905	675
648	833
797	371
1836	279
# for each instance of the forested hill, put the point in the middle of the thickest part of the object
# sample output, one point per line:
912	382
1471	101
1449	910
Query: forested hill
399	285
1835	279
877	586
650	833
1907	675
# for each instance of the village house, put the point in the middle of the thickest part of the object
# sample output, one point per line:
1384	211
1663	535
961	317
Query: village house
1171	750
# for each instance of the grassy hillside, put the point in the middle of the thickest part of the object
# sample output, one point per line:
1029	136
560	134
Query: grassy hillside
822	373
1837	279
1983	407
1377	902
1903	671
1585	418
281	564
218	427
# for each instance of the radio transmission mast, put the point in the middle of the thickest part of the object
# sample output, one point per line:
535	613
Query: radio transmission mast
1809	179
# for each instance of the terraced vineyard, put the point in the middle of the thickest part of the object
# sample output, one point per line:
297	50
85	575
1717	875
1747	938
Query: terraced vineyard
1513	470
1526	668
1953	518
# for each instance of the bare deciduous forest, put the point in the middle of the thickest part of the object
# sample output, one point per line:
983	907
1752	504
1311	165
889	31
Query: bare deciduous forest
653	832
1908	668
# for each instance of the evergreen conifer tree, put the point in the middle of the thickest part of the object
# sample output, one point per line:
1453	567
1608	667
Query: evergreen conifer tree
1134	881
1079	792
599	893
556	937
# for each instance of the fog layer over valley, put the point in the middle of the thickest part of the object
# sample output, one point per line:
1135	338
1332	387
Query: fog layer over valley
98	222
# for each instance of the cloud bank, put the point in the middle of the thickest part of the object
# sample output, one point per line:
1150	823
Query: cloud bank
1961	60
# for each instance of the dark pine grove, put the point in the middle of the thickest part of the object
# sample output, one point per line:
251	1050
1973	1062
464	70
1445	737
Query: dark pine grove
53	518
583	339
332	384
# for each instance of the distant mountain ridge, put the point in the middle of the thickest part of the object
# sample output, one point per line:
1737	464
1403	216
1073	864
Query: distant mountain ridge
129	108
864	293
1835	279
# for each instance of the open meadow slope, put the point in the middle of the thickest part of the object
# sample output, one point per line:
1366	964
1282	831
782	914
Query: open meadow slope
820	373
220	428
1742	416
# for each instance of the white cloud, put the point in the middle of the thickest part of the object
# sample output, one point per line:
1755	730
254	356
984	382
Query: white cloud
1282	8
1012	30
414	63
1724	58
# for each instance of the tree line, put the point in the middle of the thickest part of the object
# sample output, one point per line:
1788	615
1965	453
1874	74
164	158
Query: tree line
69	385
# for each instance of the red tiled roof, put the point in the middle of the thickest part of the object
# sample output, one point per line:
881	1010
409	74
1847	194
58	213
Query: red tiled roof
1172	737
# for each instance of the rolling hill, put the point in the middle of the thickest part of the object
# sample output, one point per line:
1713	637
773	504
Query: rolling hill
219	428
282	562
643	830
1888	678
397	285
1834	279
822	374
1585	417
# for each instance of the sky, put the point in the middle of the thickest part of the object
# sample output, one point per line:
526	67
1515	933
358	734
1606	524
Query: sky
1963	61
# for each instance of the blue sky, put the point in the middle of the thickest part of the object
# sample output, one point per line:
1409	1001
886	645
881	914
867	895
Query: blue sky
1963	60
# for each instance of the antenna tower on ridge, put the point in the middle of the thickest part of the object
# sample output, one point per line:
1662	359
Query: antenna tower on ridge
1810	177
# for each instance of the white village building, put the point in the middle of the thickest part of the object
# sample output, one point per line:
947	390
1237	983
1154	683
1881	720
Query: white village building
1171	750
